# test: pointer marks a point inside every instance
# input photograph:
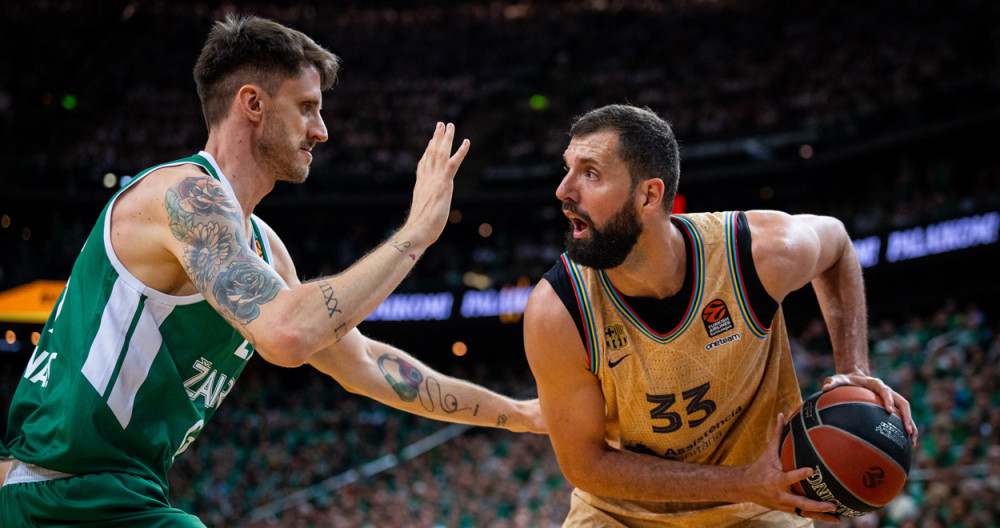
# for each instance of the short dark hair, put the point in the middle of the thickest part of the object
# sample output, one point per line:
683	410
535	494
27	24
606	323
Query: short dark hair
646	143
244	50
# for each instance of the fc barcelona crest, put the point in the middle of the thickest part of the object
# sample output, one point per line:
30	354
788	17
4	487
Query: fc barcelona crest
614	337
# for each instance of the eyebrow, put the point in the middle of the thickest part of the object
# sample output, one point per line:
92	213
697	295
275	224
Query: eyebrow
585	160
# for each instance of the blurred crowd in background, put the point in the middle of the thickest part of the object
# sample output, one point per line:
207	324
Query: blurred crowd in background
271	439
882	114
285	431
719	68
748	85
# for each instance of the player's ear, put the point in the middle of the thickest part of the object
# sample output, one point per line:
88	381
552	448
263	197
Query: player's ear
652	193
249	102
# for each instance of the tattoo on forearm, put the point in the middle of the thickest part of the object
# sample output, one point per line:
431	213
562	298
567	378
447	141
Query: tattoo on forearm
412	385
332	303
402	246
340	331
502	420
204	217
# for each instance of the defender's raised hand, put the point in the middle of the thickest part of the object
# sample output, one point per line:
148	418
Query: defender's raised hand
435	184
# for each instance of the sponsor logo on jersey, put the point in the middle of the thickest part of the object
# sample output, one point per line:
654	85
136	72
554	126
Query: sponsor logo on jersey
613	364
208	383
716	318
257	248
723	341
39	367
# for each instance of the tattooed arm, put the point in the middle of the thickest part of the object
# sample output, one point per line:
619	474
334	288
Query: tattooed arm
387	374
395	378
180	227
285	324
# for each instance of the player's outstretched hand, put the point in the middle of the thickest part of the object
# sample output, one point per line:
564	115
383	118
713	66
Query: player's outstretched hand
435	184
891	399
768	485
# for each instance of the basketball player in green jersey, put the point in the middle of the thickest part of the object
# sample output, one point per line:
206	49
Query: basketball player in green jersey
658	342
179	284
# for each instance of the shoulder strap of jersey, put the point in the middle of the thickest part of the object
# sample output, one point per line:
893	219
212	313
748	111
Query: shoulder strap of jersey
743	274
586	310
261	244
198	159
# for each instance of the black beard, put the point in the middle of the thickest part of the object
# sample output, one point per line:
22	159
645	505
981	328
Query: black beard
607	247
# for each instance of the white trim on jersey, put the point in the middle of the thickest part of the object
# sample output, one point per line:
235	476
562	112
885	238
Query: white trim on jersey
107	346
22	472
222	177
232	193
125	275
142	349
123	306
263	227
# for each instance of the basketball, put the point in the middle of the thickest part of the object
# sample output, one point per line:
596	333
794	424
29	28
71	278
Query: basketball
860	453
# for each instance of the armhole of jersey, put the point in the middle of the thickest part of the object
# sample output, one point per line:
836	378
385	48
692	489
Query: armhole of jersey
757	306
260	235
569	291
109	251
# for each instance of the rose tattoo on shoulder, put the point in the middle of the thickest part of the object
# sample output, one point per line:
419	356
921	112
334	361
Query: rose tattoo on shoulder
196	197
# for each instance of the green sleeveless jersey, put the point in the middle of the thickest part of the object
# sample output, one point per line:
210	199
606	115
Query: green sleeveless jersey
123	377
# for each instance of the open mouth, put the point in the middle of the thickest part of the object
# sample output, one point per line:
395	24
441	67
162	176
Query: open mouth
579	223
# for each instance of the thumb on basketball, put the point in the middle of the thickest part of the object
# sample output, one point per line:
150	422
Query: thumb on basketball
795	475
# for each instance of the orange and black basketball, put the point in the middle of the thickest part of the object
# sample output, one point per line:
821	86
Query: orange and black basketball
860	453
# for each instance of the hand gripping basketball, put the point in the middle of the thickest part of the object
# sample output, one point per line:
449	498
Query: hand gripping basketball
766	483
859	452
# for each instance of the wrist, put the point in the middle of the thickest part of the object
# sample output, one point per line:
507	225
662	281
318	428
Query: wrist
743	484
855	370
527	417
408	243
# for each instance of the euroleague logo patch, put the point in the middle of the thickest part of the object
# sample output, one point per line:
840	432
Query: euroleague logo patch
716	318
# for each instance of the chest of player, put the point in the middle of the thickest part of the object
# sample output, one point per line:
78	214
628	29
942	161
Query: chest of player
677	394
713	347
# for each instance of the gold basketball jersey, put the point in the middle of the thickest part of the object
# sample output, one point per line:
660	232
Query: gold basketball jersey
706	392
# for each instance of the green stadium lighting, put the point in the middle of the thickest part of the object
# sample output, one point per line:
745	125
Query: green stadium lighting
538	102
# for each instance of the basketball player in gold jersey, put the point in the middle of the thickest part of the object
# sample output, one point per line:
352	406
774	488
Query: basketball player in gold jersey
658	342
